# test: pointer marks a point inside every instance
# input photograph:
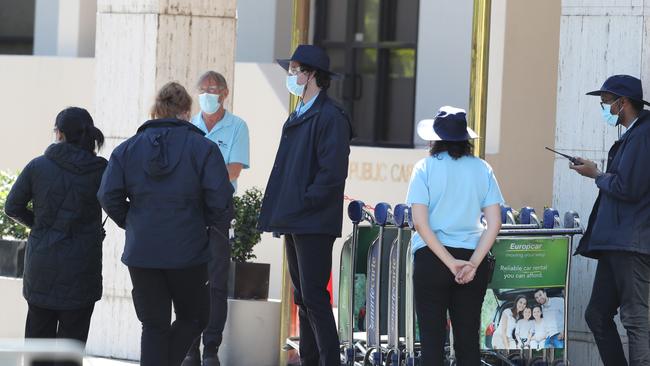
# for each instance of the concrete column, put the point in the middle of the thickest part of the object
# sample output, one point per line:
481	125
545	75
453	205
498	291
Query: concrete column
141	45
598	38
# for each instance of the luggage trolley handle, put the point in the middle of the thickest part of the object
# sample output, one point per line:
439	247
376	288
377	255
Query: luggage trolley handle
401	214
384	215
358	213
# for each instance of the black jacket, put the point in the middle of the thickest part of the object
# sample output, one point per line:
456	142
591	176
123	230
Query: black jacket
620	218
304	194
165	186
63	260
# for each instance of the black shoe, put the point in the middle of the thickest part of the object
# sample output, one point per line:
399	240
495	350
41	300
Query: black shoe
211	360
191	360
193	357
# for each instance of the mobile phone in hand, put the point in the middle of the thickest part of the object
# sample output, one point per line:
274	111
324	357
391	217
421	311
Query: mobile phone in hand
572	159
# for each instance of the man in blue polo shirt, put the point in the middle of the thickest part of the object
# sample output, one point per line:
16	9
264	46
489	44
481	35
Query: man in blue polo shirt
222	127
230	133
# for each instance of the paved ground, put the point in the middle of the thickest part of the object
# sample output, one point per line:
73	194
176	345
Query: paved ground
94	361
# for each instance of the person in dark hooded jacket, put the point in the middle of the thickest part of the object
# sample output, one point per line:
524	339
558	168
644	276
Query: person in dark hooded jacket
166	186
63	261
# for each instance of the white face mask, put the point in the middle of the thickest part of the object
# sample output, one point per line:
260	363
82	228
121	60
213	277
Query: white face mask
209	103
293	86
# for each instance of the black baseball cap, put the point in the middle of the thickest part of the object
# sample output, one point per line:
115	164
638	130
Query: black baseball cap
623	86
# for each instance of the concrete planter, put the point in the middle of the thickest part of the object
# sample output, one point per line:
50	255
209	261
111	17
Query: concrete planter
249	281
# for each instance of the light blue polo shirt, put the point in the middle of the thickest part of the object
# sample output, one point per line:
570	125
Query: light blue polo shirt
455	191
231	135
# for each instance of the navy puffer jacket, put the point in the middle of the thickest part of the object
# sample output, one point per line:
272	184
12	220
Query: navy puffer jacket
63	259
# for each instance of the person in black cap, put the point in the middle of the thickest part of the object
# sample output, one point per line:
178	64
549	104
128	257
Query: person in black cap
304	197
618	233
448	192
63	261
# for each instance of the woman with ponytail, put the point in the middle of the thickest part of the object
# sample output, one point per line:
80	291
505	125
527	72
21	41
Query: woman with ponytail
63	260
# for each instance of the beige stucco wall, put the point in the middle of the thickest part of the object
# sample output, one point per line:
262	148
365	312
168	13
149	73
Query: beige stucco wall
528	98
34	90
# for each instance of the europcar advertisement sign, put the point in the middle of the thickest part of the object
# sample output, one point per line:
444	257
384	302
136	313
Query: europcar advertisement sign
523	310
530	262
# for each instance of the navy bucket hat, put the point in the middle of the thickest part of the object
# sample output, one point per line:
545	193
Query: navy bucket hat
623	86
450	124
310	55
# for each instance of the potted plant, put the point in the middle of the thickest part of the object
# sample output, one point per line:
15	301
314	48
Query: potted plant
12	234
247	280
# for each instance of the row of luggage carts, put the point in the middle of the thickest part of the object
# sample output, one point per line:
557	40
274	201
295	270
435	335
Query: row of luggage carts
376	313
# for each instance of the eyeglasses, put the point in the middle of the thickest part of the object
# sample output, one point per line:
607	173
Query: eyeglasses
211	89
294	71
610	103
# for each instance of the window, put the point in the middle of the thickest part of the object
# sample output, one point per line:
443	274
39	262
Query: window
17	26
373	44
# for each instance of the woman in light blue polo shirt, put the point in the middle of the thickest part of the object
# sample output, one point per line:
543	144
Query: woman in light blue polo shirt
448	192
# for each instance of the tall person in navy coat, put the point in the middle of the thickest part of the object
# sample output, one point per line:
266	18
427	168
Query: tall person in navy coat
618	233
304	197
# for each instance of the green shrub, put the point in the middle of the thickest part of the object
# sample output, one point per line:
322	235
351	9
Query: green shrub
9	229
247	211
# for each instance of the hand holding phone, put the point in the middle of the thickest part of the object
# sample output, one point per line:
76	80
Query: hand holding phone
573	160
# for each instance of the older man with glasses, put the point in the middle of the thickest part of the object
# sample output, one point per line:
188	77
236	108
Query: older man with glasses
230	133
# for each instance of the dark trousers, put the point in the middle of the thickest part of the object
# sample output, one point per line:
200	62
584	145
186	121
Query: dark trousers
218	276
48	323
436	292
309	260
621	283
154	291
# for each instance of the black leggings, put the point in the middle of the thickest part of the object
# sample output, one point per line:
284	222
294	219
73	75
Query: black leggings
66	324
436	292
154	290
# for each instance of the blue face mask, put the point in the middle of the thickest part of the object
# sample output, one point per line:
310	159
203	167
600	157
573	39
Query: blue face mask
293	86
608	117
209	103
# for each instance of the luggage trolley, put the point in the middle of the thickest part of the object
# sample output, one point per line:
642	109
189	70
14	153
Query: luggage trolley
376	304
349	345
396	280
411	347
